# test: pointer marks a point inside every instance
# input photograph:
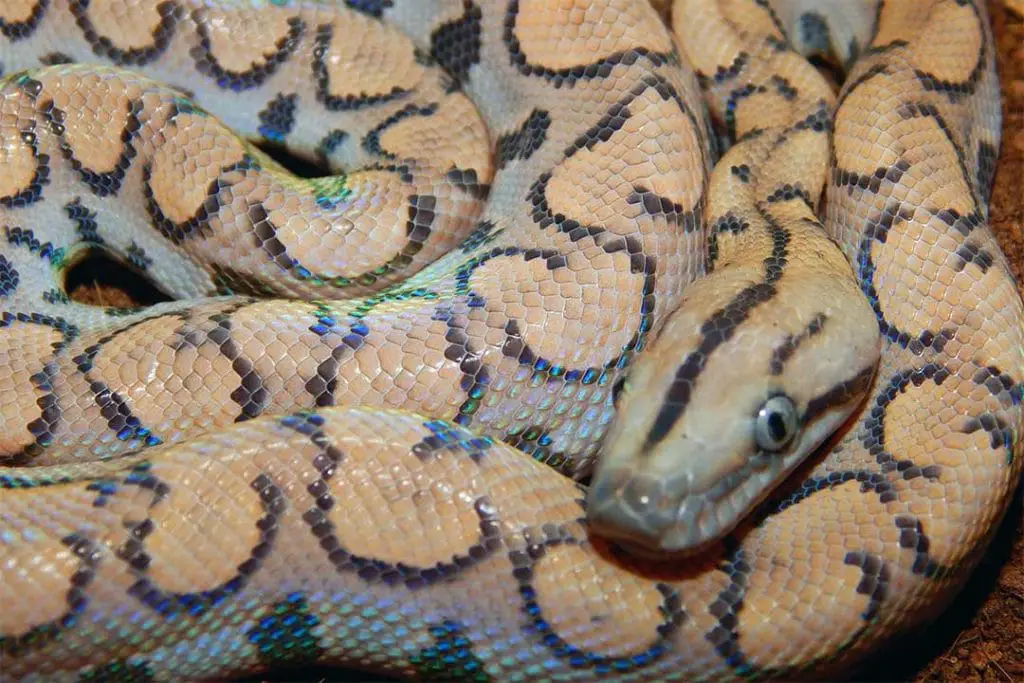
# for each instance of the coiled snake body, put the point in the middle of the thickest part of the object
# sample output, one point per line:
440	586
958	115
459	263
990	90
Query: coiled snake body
340	472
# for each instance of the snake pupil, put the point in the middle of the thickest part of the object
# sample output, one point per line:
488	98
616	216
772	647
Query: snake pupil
777	426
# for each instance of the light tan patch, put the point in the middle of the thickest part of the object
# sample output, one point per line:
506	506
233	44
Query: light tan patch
241	41
596	606
17	11
580	314
571	33
801	571
94	131
36	569
933	52
189	387
454	136
205	528
369	58
16	157
391	505
127	25
657	149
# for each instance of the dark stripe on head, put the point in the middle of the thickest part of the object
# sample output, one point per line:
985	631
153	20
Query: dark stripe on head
840	393
785	351
715	331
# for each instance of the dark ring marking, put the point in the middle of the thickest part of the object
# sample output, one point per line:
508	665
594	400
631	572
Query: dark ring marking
324	383
874	582
475	375
20	30
455	45
199	223
371	141
969	253
735	97
85	222
724	73
536	441
138	258
370	569
9	278
569	76
114	407
521	143
912	535
640	263
851	85
52	58
726	608
775	18
730	223
278	118
322	386
872	183
451	439
524	563
873	437
877	230
418	228
169	604
789	192
250	395
516	347
373	8
820	120
44	427
986	156
467	181
103	47
328	144
742	172
909	110
89	556
483	234
324	35
237	81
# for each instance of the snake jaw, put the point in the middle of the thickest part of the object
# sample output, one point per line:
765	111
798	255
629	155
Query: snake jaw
694	489
685	514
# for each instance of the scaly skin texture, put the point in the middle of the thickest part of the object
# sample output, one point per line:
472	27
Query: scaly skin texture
218	486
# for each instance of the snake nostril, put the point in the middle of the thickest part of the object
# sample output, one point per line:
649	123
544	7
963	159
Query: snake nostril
647	498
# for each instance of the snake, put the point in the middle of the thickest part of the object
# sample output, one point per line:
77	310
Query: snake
595	347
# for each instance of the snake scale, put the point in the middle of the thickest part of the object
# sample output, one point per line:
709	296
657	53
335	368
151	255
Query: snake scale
356	436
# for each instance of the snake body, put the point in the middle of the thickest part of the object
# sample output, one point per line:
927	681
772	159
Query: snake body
339	471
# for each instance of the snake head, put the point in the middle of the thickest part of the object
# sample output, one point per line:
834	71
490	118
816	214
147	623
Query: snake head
742	384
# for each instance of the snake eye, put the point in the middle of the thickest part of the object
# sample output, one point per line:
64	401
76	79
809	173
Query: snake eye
776	423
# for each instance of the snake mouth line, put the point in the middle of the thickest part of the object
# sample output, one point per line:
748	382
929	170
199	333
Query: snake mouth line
651	518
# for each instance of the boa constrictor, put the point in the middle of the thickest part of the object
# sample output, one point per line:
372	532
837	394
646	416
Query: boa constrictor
360	467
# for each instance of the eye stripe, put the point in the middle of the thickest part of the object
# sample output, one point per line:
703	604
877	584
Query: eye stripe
840	393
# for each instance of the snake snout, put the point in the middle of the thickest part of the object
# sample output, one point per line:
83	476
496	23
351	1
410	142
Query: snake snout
634	508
